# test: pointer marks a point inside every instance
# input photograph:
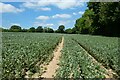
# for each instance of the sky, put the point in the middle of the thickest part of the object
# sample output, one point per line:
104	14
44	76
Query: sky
46	13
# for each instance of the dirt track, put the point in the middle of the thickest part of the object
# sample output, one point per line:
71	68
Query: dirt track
53	65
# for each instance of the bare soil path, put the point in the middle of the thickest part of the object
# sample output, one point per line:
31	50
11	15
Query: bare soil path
53	65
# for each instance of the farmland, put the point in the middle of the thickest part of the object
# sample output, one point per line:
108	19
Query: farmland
75	63
103	49
76	60
21	51
82	56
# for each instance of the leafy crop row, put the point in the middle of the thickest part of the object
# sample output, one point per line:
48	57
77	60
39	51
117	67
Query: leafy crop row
76	63
104	49
22	51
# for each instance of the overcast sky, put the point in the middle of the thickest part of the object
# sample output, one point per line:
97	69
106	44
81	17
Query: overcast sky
51	13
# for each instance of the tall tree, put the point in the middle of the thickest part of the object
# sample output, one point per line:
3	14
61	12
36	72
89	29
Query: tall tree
45	29
50	30
101	18
39	29
109	17
83	24
61	29
24	30
32	29
1	29
106	15
15	28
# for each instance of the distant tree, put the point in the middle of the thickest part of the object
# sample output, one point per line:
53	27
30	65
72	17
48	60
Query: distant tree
74	30
45	29
61	29
39	29
50	30
15	28
24	30
32	29
1	29
56	31
5	30
68	31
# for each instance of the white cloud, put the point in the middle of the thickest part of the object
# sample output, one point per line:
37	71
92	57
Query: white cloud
15	24
39	3
81	12
9	8
62	4
43	24
37	24
65	4
77	13
49	25
61	16
43	17
64	22
45	9
74	13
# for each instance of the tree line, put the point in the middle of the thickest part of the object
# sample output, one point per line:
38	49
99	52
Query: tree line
100	18
16	28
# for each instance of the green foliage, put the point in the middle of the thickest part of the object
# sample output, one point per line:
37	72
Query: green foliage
32	29
83	24
22	51
61	29
104	49
48	30
39	29
100	18
109	17
76	63
1	29
69	31
24	30
15	28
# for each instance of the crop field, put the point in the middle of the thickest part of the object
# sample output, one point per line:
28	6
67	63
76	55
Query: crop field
76	60
76	63
103	49
82	56
21	51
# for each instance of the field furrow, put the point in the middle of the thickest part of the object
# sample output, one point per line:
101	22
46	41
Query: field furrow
42	55
109	72
76	63
103	49
53	65
21	52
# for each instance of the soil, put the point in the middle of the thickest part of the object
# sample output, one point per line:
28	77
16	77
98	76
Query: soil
53	65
